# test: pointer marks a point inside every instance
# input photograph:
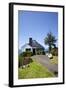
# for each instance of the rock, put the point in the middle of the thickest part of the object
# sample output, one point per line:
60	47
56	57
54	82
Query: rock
49	55
24	66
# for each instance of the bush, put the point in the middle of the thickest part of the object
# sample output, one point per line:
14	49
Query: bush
20	62
27	54
54	51
40	51
24	58
43	52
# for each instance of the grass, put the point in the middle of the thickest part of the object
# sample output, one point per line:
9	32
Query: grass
35	70
54	60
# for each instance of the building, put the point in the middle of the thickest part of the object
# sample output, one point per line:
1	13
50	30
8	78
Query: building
33	46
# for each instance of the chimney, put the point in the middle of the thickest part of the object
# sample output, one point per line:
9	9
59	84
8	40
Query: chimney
30	41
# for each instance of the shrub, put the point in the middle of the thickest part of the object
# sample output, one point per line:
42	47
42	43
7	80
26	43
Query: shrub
24	58
27	54
40	51
20	62
27	60
54	51
43	52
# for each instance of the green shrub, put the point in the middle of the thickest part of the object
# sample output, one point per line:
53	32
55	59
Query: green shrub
27	54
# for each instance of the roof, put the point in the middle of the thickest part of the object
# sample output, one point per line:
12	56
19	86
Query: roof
26	45
33	44
36	44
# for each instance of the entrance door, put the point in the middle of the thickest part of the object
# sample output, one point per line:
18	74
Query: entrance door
34	51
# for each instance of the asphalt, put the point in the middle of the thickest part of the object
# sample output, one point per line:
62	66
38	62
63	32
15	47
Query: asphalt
45	61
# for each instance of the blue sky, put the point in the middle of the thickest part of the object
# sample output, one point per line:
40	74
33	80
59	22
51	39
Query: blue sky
36	25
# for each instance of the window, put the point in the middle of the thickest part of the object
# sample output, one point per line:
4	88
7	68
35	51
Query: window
28	49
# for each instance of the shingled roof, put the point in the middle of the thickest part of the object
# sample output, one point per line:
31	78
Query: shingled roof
35	44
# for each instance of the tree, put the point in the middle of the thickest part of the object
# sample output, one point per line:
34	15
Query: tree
50	41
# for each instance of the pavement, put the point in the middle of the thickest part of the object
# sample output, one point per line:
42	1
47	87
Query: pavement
45	61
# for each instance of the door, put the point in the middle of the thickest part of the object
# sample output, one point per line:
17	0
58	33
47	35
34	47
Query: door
34	51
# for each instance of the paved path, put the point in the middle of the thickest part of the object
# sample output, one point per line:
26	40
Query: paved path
44	60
